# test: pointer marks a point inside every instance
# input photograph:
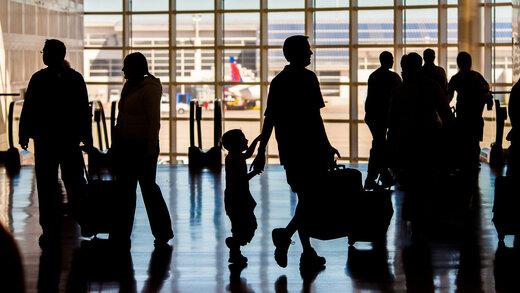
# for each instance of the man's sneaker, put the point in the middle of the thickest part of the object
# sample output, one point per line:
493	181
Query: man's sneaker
311	260
281	241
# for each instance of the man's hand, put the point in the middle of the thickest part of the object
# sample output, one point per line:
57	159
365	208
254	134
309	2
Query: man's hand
334	152
259	162
24	143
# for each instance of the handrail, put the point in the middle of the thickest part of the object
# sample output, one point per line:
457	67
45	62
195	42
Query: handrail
500	92
10	117
113	108
9	94
101	110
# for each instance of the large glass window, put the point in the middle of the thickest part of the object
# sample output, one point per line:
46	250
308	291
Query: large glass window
228	51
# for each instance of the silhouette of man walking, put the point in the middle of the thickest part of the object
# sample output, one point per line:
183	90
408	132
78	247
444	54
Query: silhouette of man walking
381	83
293	110
57	116
472	95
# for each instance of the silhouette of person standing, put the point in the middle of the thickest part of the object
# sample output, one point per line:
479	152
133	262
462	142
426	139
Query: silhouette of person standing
413	125
514	134
136	150
472	94
57	116
446	134
381	83
413	119
436	73
293	110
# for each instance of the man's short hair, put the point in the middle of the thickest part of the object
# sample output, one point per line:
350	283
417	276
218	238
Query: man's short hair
55	48
293	46
386	58
464	60
413	62
429	55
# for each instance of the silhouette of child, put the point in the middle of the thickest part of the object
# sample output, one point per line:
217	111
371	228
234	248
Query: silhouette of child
238	201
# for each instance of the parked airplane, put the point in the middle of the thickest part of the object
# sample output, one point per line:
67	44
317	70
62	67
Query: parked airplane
240	96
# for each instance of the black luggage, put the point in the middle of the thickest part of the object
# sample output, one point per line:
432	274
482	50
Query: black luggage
100	204
99	207
505	209
197	157
346	210
10	158
369	216
326	215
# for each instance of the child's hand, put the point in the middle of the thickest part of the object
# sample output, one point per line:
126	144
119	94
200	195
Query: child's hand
257	172
256	140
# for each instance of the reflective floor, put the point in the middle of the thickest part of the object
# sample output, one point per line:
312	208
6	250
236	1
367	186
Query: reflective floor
198	262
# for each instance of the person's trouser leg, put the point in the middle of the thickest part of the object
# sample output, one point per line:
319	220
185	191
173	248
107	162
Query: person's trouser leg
293	224
49	200
73	176
376	159
156	208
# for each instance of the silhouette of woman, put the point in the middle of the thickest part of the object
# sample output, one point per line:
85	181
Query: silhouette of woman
136	149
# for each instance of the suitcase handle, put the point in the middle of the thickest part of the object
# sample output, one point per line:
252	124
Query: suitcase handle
337	166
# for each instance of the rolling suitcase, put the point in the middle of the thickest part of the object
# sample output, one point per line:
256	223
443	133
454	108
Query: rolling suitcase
326	215
100	204
10	158
505	209
344	209
369	216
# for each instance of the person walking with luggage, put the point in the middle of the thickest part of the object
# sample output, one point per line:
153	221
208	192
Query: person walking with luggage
472	94
381	83
293	110
57	116
238	201
136	150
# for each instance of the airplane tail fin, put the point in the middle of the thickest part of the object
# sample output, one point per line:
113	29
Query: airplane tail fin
235	72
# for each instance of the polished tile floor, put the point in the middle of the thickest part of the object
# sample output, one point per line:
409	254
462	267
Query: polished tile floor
198	262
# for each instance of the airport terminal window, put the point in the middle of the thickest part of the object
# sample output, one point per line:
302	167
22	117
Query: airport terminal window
231	49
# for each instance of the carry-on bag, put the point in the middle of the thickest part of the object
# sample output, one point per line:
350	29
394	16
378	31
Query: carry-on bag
326	215
369	216
100	204
344	209
505	209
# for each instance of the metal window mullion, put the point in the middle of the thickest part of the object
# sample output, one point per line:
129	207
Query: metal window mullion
488	57
442	35
309	21
172	89
398	33
264	65
219	42
353	79
126	26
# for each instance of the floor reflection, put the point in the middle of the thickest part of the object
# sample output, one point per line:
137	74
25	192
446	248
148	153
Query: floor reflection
97	265
457	247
